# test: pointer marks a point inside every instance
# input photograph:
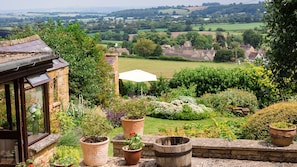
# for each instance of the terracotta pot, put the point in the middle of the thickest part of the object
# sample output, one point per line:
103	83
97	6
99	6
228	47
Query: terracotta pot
129	125
132	157
95	154
281	136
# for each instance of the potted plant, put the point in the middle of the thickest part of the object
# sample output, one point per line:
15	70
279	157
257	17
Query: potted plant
282	133
133	148
94	142
135	111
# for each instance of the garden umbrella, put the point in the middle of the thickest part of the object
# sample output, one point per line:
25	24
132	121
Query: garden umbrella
137	76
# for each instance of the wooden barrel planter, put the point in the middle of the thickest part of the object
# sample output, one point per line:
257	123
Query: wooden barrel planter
173	151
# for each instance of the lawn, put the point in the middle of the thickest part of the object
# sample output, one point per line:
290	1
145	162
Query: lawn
165	68
230	27
153	125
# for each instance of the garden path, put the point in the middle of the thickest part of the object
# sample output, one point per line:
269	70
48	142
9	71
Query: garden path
202	162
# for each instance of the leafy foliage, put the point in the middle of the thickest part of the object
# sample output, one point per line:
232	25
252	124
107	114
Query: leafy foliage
213	80
135	142
256	127
230	98
144	47
65	156
94	124
252	38
183	108
88	70
159	87
280	21
135	108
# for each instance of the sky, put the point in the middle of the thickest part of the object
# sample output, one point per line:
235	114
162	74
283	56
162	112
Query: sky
47	4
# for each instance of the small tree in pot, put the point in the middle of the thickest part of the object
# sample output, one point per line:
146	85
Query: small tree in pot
133	120
132	112
95	142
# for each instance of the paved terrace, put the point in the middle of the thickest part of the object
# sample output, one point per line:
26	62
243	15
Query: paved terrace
209	152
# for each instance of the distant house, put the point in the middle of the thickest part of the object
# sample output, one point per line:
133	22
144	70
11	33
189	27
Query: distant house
188	52
119	51
248	49
32	78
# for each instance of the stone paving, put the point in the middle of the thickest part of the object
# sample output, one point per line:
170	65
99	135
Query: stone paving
202	162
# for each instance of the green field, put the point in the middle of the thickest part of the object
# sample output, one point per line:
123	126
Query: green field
177	11
165	68
230	27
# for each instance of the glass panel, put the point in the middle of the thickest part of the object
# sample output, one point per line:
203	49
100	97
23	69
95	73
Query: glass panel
7	107
8	152
35	113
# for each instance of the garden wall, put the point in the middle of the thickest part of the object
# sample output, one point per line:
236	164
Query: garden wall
221	148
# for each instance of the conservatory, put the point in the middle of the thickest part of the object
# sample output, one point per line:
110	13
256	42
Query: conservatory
24	96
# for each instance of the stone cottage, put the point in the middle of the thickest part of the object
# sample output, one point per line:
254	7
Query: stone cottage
33	85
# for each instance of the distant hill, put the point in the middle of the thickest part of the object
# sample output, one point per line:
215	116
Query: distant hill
194	11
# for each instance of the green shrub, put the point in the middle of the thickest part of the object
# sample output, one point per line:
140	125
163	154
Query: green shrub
230	98
159	87
69	138
256	127
185	109
65	155
213	80
133	89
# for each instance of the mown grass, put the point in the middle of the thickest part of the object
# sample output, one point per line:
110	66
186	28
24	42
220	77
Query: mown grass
152	126
164	68
230	27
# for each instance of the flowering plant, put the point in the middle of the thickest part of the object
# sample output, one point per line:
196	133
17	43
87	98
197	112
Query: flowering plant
28	163
35	112
135	142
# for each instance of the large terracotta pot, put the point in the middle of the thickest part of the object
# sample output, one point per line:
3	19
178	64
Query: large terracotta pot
282	136
132	157
95	154
129	125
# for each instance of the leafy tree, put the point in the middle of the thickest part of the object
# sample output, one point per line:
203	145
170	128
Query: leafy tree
144	47
158	51
199	41
220	38
281	21
223	55
128	45
252	38
88	70
181	39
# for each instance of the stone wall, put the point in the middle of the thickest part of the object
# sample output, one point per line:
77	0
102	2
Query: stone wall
221	148
58	89
43	150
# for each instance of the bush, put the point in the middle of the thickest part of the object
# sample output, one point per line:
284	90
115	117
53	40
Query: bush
185	109
256	127
230	98
114	117
66	155
214	80
133	89
159	87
